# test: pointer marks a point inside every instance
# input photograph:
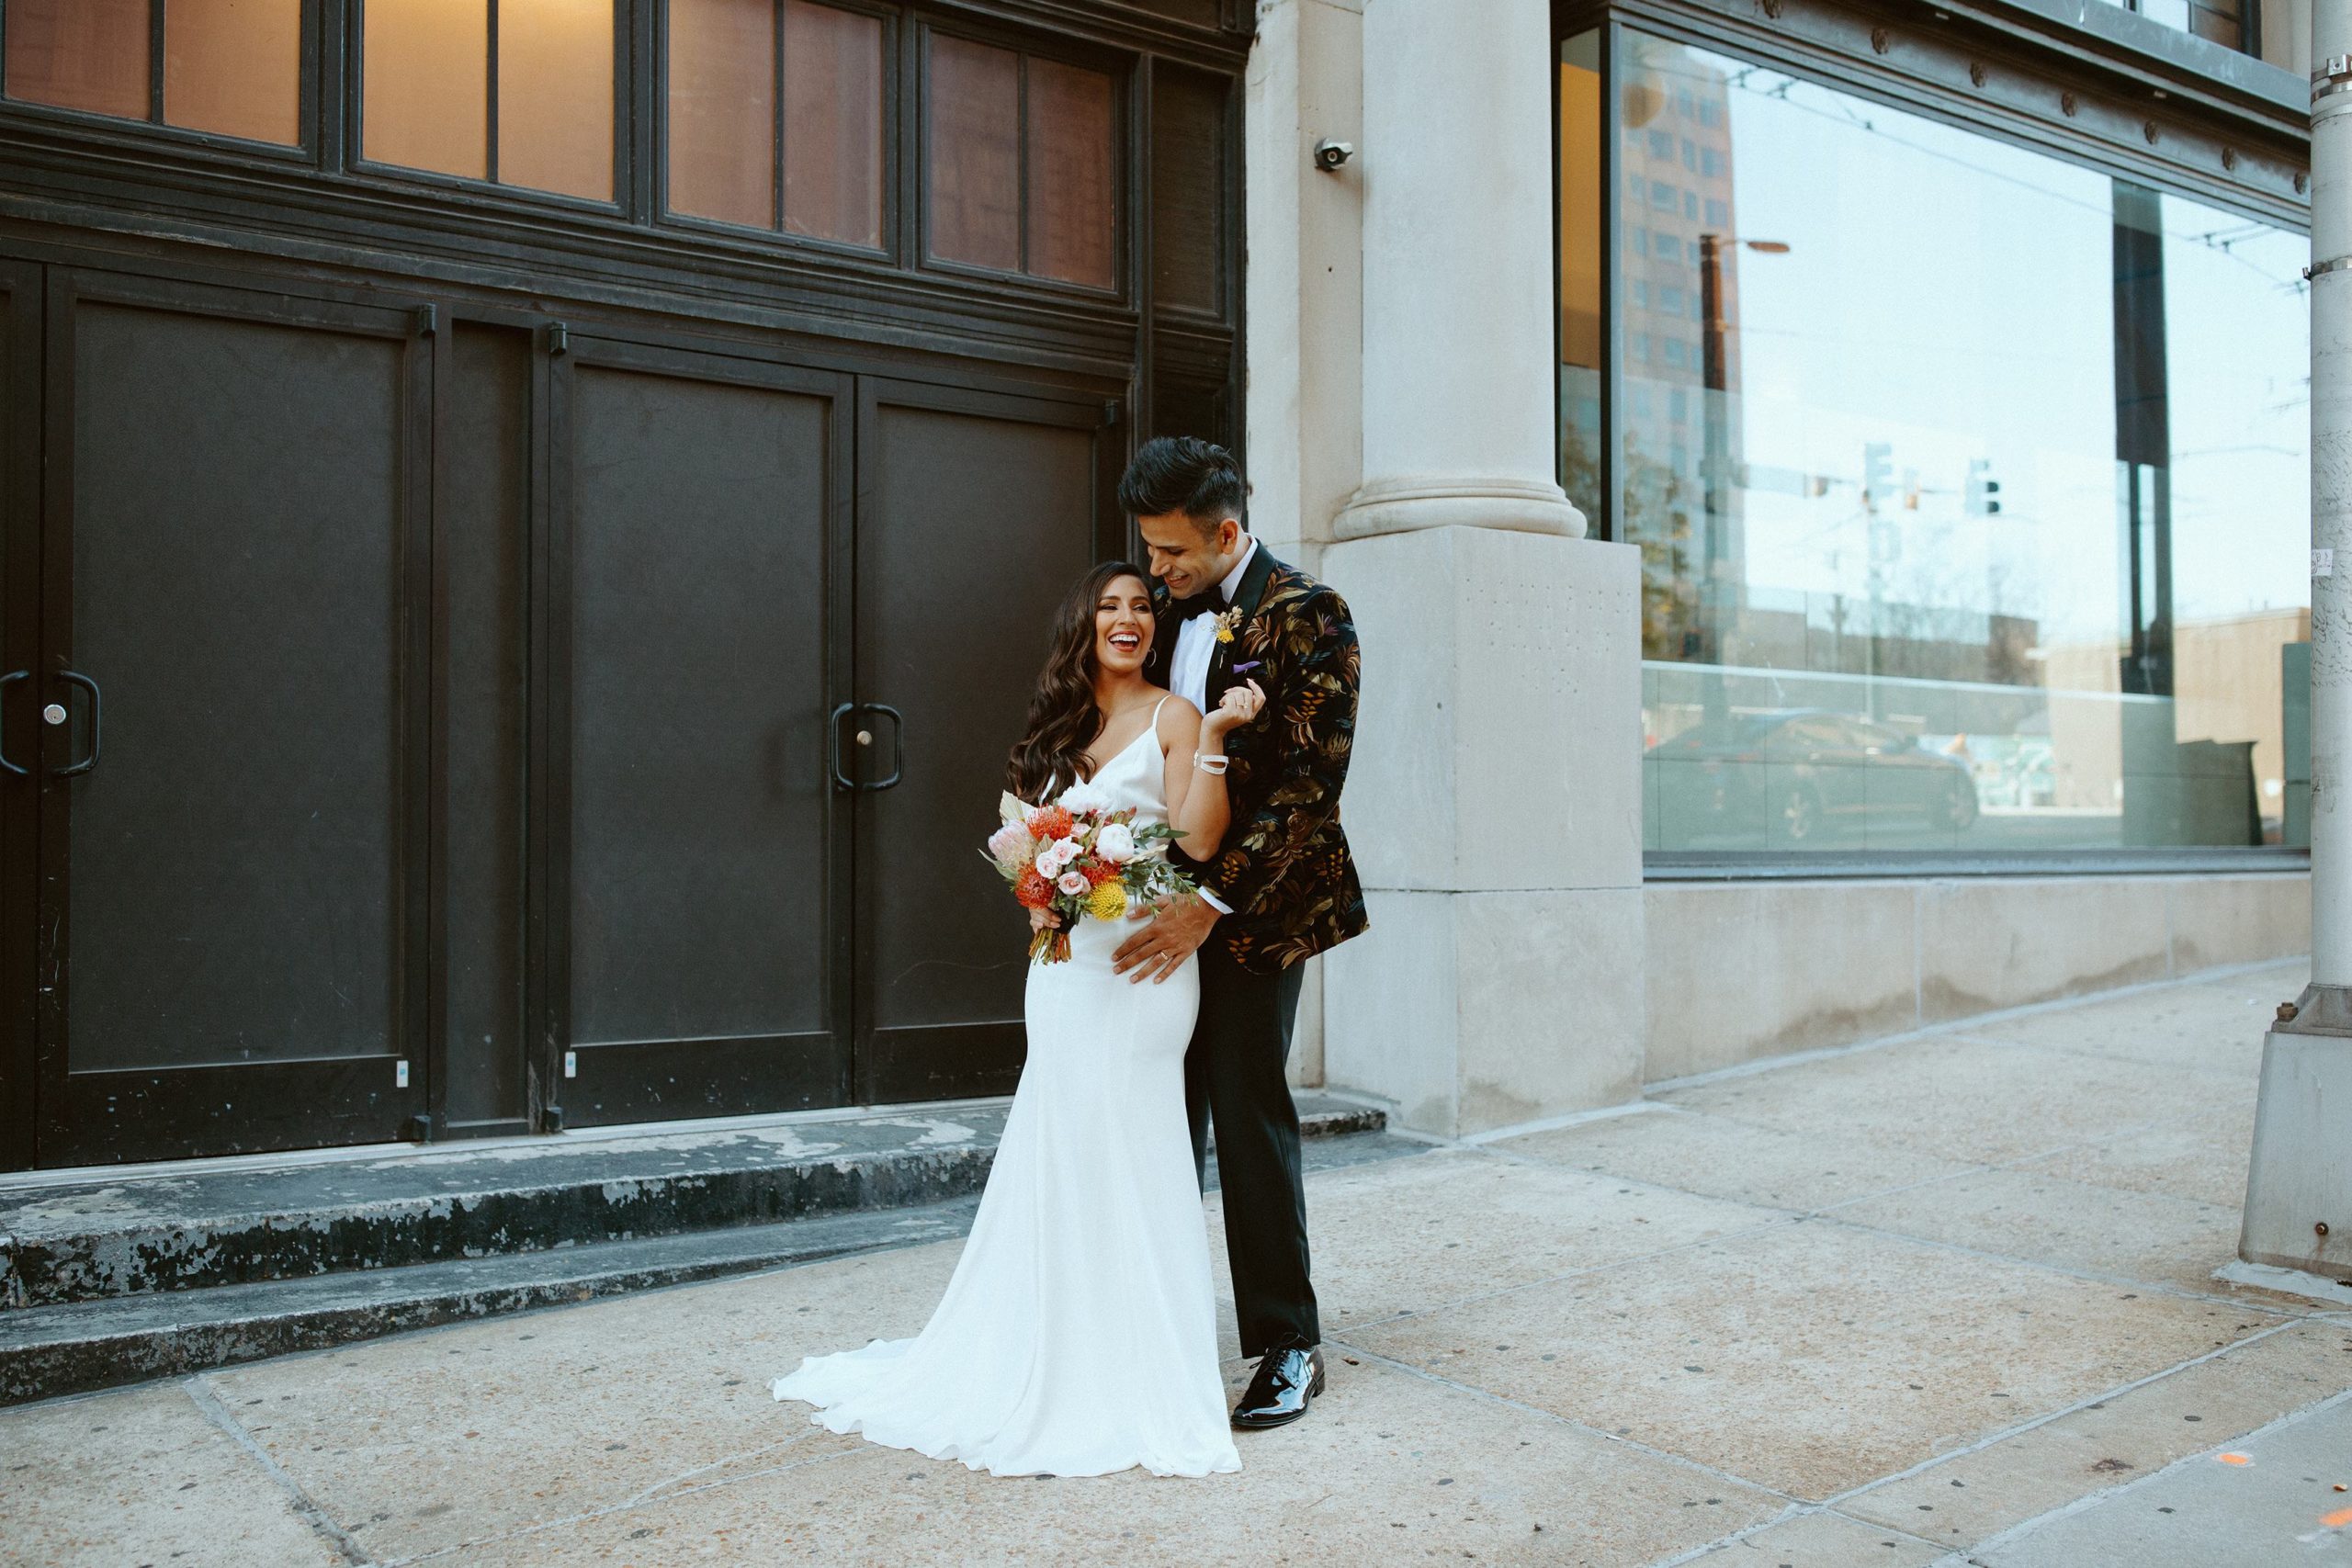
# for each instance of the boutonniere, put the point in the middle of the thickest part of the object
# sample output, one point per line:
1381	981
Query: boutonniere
1227	621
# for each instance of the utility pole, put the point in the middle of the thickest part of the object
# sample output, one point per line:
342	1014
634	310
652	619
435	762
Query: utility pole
2299	1182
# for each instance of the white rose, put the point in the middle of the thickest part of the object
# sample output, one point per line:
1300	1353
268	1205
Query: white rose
1073	883
1115	844
1056	857
1083	797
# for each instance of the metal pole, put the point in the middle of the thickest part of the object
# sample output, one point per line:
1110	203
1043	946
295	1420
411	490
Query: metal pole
2299	1181
2331	307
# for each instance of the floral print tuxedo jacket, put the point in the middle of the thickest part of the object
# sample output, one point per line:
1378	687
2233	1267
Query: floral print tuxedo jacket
1283	867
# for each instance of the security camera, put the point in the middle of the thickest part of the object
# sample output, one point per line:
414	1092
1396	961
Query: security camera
1331	154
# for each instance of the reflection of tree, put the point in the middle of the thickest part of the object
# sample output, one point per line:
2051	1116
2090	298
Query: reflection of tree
1581	474
1656	518
1939	616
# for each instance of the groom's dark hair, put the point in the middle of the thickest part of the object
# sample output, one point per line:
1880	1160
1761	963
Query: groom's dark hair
1186	474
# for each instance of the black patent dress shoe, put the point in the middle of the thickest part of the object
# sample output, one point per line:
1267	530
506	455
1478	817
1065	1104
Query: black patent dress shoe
1287	1379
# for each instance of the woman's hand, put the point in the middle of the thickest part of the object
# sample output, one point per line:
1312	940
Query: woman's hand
1238	707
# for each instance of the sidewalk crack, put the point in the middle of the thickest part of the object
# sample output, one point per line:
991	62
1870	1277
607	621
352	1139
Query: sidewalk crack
654	1493
200	1394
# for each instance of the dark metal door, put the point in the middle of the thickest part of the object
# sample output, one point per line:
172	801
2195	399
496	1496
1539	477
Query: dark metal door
228	720
225	923
696	851
20	312
976	513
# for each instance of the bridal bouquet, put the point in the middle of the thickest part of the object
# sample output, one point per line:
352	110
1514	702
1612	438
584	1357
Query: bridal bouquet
1077	857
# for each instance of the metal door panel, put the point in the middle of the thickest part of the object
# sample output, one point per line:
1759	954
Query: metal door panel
698	866
486	496
231	901
976	511
20	402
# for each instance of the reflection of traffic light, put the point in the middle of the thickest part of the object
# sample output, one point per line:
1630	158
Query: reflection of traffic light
1982	488
1878	481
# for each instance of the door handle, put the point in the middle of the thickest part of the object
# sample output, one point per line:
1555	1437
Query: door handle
865	738
833	746
96	723
12	676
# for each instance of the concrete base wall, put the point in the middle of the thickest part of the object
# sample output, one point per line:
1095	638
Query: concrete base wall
1737	972
1493	803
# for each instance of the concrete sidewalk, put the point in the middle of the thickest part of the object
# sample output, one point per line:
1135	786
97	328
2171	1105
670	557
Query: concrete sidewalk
1945	1299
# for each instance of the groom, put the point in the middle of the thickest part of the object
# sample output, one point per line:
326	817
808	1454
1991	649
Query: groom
1281	889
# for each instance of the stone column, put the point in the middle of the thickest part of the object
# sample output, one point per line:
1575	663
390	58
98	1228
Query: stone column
1494	798
1458	269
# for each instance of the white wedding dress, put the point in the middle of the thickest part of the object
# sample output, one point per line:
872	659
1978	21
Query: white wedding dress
1079	1333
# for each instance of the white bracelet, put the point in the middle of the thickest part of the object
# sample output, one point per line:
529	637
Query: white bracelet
1203	763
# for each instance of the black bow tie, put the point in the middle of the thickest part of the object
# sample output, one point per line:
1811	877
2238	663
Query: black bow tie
1199	603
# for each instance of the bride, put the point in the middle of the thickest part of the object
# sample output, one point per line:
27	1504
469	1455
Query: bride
1078	1335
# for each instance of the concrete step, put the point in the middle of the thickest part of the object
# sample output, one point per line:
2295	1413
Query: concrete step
74	1347
50	1351
213	1224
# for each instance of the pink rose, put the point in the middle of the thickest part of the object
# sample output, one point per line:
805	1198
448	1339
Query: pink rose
1074	884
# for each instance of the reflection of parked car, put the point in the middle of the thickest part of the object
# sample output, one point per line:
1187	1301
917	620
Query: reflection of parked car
2023	776
1802	774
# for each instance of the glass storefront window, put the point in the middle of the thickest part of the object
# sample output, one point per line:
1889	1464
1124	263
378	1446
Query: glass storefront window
1021	174
1970	484
1581	265
555	97
424	91
2283	34
721	99
425	88
832	132
231	67
1069	149
234	67
2278	31
729	157
975	119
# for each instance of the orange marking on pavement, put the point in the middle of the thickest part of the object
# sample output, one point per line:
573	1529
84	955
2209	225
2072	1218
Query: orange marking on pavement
2234	1459
2339	1519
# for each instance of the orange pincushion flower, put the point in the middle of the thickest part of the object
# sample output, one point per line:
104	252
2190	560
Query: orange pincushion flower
1033	890
1049	823
1099	872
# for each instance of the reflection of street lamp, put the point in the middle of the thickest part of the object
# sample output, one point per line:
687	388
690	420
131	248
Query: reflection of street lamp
1712	388
1711	298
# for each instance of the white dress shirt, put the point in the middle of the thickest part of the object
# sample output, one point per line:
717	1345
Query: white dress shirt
1188	667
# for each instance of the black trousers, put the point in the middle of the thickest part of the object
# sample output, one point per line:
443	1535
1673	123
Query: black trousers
1234	1075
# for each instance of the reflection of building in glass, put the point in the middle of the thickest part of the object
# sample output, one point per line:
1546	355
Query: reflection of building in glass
2228	690
1679	442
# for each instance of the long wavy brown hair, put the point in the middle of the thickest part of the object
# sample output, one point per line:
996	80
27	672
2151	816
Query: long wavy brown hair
1063	719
